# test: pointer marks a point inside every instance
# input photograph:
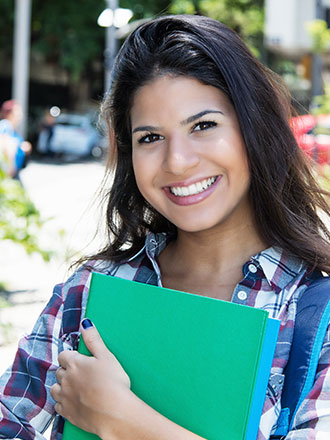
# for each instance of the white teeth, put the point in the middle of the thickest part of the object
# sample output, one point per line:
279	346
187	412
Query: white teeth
195	188
192	188
199	186
185	191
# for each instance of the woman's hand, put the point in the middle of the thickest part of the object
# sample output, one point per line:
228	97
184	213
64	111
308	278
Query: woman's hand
94	394
91	391
26	147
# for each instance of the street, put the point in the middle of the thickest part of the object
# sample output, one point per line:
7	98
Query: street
65	194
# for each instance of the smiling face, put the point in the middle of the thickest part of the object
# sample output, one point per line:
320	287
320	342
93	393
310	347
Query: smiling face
189	156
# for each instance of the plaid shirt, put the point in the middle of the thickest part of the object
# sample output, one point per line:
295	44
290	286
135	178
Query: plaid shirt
272	281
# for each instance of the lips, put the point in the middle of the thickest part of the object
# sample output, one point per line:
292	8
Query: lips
193	193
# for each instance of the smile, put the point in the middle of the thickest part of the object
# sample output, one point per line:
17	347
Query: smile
193	189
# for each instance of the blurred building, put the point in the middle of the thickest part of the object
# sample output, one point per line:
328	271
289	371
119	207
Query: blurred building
285	25
286	35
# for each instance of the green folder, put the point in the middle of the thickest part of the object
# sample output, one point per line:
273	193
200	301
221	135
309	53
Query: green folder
201	362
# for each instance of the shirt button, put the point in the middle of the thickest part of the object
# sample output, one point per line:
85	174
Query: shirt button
252	268
242	295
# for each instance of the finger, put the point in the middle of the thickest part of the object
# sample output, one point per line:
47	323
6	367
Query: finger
58	408
55	392
92	339
65	357
60	372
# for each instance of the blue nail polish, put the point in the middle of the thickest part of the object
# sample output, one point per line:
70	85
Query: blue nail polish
86	323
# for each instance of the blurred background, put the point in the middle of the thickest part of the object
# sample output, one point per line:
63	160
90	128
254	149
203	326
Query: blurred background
56	60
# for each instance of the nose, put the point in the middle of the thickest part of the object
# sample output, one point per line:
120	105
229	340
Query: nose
180	156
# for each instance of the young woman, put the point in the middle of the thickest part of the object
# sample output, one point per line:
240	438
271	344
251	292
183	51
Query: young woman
211	195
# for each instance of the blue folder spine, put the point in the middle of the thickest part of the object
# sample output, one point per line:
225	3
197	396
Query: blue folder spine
266	359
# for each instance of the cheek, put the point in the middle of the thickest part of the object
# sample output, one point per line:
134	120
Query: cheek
240	156
245	165
141	172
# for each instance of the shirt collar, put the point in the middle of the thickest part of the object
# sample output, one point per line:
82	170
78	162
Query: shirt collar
153	246
278	267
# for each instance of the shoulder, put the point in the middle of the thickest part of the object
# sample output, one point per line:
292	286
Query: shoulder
5	126
77	285
73	293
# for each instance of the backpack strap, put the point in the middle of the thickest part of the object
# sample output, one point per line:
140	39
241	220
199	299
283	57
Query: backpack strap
312	320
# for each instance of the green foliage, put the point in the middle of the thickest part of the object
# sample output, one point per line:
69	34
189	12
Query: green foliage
320	35
66	33
324	177
146	8
3	287
183	7
5	327
20	221
246	17
6	25
321	103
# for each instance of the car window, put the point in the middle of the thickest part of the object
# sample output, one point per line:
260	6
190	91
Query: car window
72	120
68	124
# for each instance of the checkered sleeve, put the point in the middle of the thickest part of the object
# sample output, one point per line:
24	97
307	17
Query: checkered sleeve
312	421
26	406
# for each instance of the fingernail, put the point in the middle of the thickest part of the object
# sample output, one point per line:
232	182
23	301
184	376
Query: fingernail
86	323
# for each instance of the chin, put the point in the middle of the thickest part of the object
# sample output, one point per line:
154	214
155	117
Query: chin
194	227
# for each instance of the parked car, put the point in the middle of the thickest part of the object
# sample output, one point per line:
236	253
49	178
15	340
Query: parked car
72	134
313	136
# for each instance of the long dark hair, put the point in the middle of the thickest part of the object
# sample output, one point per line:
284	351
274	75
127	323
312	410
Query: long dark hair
284	194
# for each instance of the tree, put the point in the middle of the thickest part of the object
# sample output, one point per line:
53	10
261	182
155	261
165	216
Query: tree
146	8
65	33
246	17
6	26
20	221
320	36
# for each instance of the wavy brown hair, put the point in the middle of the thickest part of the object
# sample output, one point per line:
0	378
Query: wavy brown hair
285	196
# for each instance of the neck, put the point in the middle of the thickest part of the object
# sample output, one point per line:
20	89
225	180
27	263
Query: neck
210	259
219	252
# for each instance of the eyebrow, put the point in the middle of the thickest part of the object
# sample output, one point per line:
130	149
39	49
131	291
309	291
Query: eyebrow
145	128
199	115
185	122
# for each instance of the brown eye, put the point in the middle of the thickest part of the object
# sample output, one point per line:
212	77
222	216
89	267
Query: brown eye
204	125
149	138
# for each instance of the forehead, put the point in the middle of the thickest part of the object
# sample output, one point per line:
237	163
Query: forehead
176	96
